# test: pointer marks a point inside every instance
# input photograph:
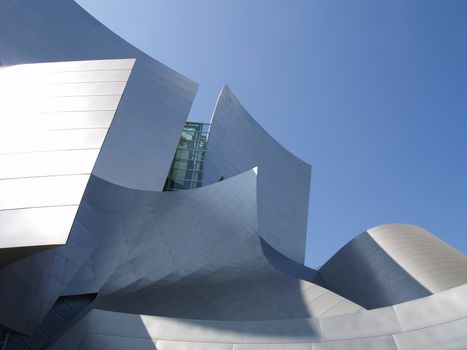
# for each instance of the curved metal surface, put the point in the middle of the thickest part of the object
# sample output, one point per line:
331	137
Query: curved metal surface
391	264
82	98
237	143
431	262
147	126
219	267
191	254
435	322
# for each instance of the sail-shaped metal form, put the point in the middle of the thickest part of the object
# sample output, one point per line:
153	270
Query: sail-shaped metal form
94	255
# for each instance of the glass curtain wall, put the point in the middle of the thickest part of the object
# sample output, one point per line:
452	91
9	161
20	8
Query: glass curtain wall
186	171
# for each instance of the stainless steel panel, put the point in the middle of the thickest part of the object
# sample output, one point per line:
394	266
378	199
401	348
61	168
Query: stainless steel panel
237	143
98	342
288	346
136	248
433	263
88	65
448	336
377	343
36	226
151	114
149	256
19	165
377	329
282	331
324	303
178	345
364	273
343	307
42	191
46	159
79	103
360	325
73	120
60	77
86	89
51	140
442	307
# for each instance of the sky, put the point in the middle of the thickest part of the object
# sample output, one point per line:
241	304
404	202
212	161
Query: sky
372	94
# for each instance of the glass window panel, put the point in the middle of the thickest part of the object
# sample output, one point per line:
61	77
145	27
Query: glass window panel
187	167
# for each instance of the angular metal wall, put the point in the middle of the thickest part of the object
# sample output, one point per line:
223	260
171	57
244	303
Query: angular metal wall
147	126
53	121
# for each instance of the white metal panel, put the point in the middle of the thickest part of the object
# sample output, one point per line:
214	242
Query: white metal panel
433	263
86	89
146	129
78	103
58	77
51	130
375	343
178	345
72	120
441	307
51	140
447	336
42	191
288	346
18	165
50	225
88	65
365	324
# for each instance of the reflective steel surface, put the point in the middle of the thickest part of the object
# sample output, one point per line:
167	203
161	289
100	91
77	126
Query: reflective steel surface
151	114
45	167
85	149
237	143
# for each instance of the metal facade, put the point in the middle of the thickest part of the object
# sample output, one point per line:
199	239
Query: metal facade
88	137
237	143
151	114
53	122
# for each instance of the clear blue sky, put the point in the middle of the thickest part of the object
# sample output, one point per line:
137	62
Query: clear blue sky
373	94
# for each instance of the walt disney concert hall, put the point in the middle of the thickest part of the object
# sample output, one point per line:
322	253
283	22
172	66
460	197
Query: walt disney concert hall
123	226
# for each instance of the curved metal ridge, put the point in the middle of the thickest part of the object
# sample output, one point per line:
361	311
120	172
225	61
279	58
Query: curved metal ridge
393	263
